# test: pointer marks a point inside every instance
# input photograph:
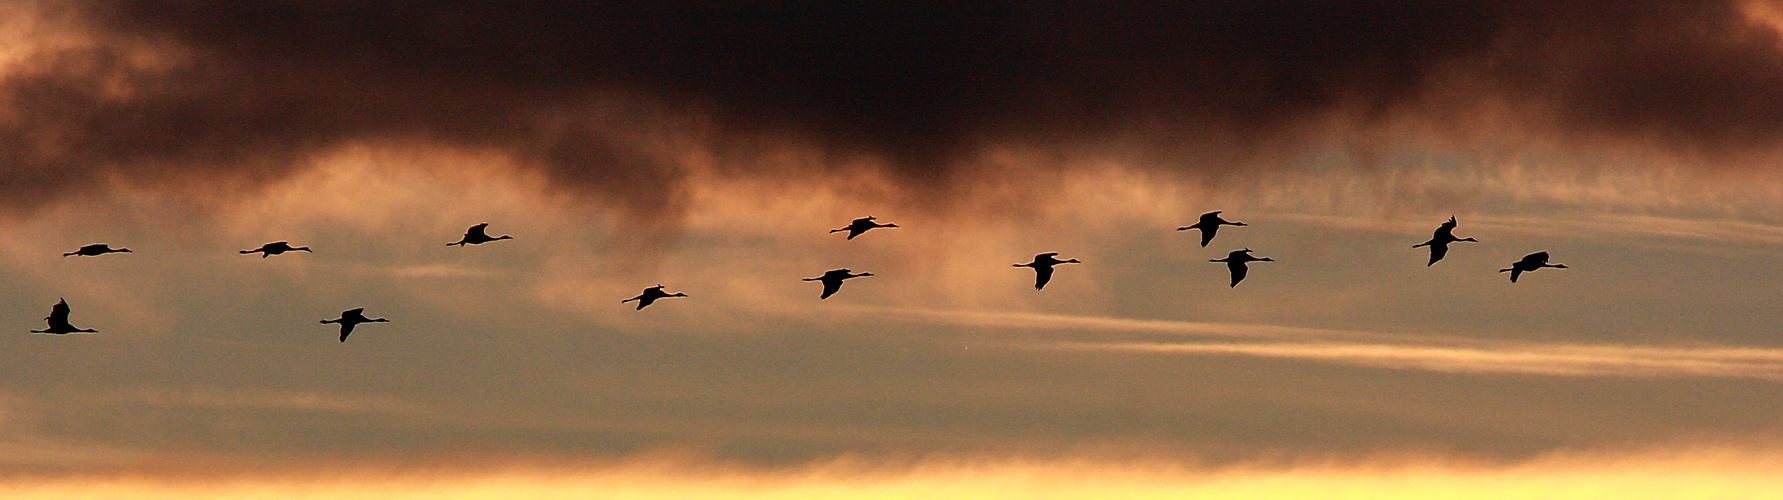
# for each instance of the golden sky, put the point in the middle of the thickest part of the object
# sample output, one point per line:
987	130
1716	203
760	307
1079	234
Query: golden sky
711	149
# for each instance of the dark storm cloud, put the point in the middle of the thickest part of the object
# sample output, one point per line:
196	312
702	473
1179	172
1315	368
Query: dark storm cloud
259	85
1698	74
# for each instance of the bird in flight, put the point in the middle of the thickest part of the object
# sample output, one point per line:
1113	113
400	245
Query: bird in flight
476	236
832	281
860	225
650	295
351	318
1042	265
58	320
1236	262
1209	225
1439	241
96	250
275	248
1530	263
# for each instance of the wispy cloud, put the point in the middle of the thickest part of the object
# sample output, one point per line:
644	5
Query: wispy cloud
274	400
436	270
1403	351
1706	230
1703	230
1044	321
1529	359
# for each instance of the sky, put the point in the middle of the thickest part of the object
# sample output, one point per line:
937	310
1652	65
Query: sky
710	149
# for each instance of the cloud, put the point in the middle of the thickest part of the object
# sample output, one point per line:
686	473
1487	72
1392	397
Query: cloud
1561	360
1720	232
1043	321
629	104
1400	351
269	400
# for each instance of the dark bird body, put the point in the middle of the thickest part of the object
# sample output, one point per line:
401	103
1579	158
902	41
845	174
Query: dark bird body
478	235
1042	265
351	318
275	248
1236	261
1529	263
832	281
650	295
1439	241
860	225
58	321
1209	225
96	250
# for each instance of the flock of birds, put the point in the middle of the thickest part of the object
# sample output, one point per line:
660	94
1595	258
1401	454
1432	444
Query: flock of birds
1209	224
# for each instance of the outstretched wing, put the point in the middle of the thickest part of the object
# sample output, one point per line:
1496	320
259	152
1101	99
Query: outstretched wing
1437	251
830	286
1207	233
1042	274
478	231
1238	271
1515	271
347	329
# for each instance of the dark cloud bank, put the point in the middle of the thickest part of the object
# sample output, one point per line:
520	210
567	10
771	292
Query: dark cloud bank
258	86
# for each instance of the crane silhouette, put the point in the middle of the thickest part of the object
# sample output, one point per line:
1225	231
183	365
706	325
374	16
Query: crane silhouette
1440	240
96	250
275	248
1209	225
832	280
650	295
351	318
477	235
58	321
1042	265
1530	263
860	225
1236	261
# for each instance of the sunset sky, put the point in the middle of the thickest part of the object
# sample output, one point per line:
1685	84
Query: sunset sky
711	149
